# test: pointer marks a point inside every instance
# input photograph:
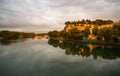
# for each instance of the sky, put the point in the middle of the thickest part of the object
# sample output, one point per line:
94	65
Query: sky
45	15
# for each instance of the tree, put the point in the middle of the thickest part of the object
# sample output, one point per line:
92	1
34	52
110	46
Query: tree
54	34
75	34
109	21
68	22
116	25
13	35
83	21
88	21
64	34
99	22
108	34
86	32
95	30
5	34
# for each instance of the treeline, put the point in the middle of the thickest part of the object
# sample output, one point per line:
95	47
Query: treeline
9	35
107	34
87	21
73	34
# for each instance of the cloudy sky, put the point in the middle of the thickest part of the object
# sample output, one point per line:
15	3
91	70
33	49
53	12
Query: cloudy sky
46	15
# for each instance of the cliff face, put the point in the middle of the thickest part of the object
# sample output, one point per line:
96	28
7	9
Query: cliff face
103	26
72	26
82	27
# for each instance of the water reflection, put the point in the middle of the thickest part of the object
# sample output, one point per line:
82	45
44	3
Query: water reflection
8	42
86	50
34	57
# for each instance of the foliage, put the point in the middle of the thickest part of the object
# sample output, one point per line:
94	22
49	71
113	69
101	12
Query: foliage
87	21
86	31
73	34
108	34
95	30
54	34
104	34
116	25
9	35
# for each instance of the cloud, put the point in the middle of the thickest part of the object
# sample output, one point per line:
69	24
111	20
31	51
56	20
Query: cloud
48	15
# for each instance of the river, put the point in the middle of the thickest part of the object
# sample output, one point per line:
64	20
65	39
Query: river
32	57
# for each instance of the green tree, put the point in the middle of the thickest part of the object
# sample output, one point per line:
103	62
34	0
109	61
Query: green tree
109	21
86	32
116	25
64	34
75	34
68	22
99	22
95	30
108	34
54	34
83	21
5	34
88	21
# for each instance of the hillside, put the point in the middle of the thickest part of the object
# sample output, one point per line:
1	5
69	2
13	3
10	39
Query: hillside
91	25
104	31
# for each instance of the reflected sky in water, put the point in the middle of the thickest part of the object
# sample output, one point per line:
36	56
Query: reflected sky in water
38	58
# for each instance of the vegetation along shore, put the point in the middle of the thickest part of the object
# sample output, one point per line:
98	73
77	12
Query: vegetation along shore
98	32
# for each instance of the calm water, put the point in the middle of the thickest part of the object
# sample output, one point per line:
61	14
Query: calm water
33	57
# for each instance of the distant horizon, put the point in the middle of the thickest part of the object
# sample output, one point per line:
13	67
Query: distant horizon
25	30
41	16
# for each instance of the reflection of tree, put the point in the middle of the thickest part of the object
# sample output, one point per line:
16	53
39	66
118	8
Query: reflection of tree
8	42
108	52
5	42
54	43
85	50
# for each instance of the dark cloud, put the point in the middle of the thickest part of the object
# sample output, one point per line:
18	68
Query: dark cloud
47	15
